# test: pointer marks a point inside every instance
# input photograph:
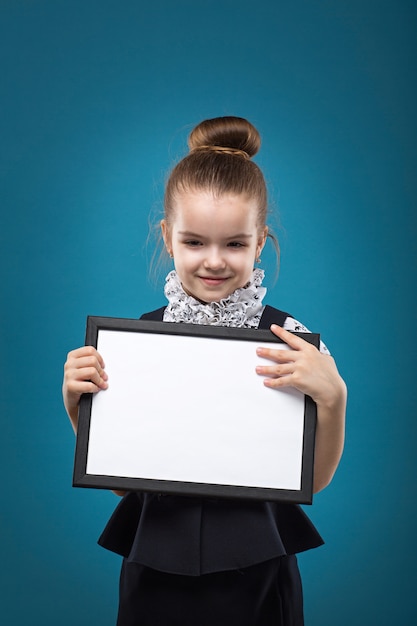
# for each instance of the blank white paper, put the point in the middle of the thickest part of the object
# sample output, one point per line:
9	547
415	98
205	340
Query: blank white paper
193	409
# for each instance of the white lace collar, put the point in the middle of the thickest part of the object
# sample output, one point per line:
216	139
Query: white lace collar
242	309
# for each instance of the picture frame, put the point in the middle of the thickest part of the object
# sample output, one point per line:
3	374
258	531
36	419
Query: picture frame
186	413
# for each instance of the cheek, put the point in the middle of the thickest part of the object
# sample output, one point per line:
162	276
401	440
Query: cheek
184	261
244	268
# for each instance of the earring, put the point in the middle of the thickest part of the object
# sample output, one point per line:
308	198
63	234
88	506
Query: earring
258	260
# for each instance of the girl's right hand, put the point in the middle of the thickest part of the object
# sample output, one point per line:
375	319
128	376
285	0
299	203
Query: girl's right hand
83	373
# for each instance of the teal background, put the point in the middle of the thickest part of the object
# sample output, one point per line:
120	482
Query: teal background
97	100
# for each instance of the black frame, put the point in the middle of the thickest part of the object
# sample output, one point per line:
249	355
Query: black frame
81	478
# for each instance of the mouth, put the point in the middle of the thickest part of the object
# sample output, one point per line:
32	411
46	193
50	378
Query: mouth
213	281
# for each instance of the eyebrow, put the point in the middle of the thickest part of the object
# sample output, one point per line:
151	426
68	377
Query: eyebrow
186	233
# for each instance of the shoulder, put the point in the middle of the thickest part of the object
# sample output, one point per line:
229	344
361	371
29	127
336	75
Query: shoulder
154	316
271	315
293	324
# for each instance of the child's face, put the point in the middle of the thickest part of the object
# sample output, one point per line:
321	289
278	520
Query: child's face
214	242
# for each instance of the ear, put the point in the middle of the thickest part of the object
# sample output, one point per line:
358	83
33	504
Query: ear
261	241
166	236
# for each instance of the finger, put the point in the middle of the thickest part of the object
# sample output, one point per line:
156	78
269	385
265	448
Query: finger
98	357
84	352
296	343
278	383
79	387
275	371
76	366
75	376
94	369
82	381
278	356
90	374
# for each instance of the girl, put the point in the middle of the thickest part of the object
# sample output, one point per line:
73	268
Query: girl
207	561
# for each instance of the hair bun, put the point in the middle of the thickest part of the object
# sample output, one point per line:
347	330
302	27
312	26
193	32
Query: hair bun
226	132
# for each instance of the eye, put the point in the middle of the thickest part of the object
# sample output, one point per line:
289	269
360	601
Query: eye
192	243
236	244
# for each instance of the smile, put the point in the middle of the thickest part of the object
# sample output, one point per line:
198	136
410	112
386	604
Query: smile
212	280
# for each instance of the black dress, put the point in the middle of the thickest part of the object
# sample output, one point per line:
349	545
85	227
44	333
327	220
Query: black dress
206	561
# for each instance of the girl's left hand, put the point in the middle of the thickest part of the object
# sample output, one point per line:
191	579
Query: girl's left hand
303	366
315	374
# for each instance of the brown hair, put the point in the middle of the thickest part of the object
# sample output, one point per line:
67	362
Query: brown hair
220	161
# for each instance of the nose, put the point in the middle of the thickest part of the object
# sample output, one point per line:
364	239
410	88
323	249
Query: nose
214	259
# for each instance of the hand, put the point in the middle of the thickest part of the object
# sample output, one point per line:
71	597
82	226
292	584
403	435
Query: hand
314	374
83	373
303	366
